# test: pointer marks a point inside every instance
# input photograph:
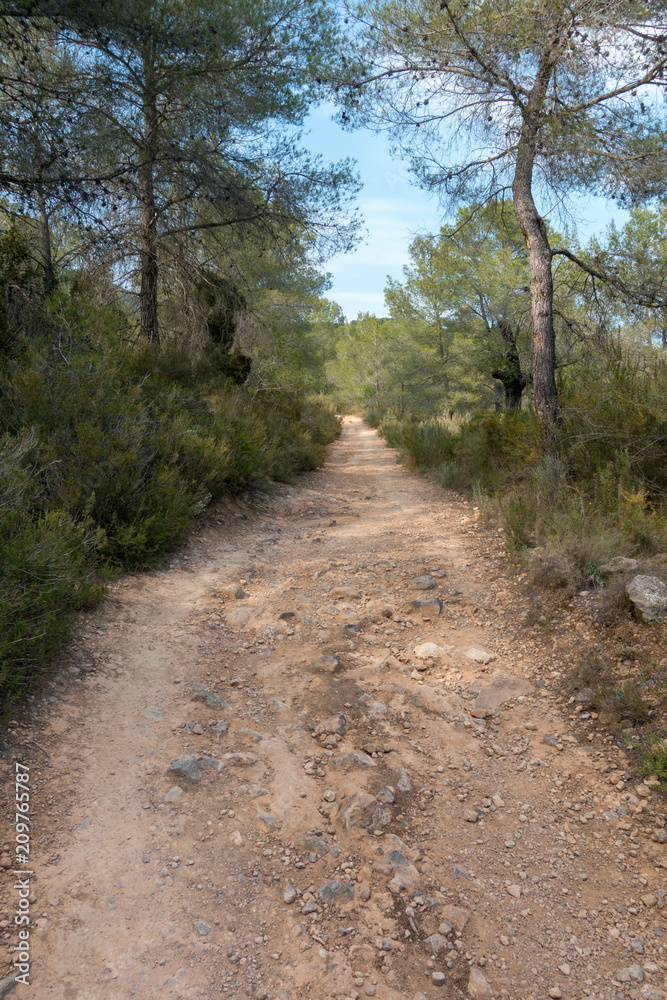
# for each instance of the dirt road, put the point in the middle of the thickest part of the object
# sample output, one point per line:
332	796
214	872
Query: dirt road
355	812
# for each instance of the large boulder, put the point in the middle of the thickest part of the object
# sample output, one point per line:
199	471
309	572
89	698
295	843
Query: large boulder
647	596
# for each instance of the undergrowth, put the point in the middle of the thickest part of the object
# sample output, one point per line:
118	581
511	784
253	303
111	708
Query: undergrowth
107	453
598	494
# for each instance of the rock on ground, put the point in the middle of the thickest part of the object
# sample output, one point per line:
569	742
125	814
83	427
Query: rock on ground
647	596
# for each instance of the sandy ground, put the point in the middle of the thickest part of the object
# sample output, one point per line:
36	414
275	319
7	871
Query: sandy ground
360	819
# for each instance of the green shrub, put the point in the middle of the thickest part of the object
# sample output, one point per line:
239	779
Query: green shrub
602	493
655	759
47	566
107	461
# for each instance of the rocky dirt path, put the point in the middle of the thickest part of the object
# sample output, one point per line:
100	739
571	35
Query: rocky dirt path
374	789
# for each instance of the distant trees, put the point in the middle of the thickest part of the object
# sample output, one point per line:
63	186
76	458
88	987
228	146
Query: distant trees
525	96
472	285
459	332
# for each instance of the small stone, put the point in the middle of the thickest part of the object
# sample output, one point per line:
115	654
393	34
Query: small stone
355	758
501	688
231	590
649	899
555	993
429	650
406	878
316	845
386	795
345	593
187	768
427	608
310	907
329	795
220	728
514	890
289	895
565	969
497	801
211	762
479	655
482	713
584	696
457	916
660	836
241	759
337	725
438	978
211	700
363	811
437	943
404	783
251	791
328	663
252	732
335	891
201	927
174	794
425	582
269	821
236	838
478	988
471	816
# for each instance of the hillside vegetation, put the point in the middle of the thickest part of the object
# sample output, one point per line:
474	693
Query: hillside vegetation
160	285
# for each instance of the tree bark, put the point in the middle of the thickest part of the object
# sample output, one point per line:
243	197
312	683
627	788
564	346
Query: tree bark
541	282
45	232
148	298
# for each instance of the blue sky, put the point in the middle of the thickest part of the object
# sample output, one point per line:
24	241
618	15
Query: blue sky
394	210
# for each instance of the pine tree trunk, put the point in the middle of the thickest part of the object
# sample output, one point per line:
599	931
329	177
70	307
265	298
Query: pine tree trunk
148	298
541	284
45	231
